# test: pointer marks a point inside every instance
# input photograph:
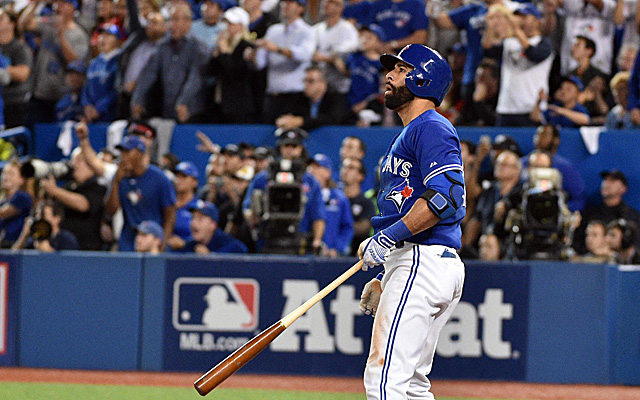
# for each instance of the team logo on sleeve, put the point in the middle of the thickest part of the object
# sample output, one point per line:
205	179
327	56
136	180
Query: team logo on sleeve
400	194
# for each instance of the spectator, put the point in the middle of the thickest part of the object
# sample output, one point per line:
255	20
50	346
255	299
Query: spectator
470	154
625	14
186	185
70	105
547	138
176	65
290	147
490	248
352	147
262	158
286	52
136	52
106	16
147	133
145	194
233	74
149	236
206	237
613	188
82	199
99	96
622	236
208	28
495	202
364	70
634	91
320	107
565	111
538	159
469	18
259	21
619	117
337	39
15	204
403	21
352	174
593	18
45	233
481	111
626	55
597	245
526	62
16	93
338	232
59	32
583	50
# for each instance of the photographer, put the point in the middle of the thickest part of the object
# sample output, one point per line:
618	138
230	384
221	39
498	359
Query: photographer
621	237
44	233
292	153
82	198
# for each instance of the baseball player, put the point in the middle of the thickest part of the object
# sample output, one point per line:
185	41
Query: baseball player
421	202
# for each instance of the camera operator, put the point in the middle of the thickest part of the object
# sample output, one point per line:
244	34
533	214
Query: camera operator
44	233
622	236
82	198
291	151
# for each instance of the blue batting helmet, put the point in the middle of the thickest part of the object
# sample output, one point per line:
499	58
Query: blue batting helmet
431	75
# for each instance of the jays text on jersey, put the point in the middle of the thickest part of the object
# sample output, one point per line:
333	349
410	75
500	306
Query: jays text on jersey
418	159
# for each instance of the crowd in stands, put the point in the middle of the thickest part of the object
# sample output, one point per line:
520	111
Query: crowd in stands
300	65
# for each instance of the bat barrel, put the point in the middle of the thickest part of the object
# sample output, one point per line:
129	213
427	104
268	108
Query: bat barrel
236	360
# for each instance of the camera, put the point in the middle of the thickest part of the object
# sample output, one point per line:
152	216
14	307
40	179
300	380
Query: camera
36	168
540	227
280	207
40	230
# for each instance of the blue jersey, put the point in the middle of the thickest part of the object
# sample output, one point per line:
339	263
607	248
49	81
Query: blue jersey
10	228
100	89
365	77
143	198
220	243
472	19
398	20
558	120
182	228
338	231
314	208
5	62
426	148
359	12
69	108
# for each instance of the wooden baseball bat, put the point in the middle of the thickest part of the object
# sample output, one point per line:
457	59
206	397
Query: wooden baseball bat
236	360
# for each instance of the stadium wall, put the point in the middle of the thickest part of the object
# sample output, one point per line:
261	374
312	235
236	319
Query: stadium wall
526	321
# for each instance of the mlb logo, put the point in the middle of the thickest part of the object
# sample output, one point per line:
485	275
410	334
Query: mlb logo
215	304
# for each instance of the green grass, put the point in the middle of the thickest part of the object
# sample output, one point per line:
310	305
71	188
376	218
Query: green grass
63	391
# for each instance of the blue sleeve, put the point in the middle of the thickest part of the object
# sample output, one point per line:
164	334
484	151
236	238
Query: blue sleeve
314	209
634	85
345	233
22	202
437	149
168	193
419	19
539	52
110	96
258	182
360	11
461	15
573	184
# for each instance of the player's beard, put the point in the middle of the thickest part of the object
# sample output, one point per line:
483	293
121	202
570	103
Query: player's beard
398	97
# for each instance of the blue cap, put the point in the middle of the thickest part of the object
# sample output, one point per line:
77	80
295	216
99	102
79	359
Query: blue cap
131	142
301	2
575	80
323	161
187	168
74	3
377	30
529	9
77	66
112	29
151	227
206	208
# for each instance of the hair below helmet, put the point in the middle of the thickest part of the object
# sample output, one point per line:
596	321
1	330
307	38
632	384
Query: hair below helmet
431	75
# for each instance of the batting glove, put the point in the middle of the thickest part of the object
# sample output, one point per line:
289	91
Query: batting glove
375	250
370	297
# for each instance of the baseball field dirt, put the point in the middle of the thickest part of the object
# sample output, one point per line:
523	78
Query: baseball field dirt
475	389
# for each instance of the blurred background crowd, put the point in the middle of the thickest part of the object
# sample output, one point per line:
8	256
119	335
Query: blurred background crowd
299	65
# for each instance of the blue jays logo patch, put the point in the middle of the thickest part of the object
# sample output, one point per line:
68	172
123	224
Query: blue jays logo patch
400	194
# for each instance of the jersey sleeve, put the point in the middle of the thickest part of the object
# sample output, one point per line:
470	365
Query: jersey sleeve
419	19
437	150
460	16
168	193
22	202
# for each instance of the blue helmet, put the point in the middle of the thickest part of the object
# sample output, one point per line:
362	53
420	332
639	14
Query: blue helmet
431	75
